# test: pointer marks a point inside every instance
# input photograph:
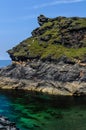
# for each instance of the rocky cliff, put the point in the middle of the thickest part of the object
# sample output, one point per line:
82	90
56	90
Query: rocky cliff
52	60
54	38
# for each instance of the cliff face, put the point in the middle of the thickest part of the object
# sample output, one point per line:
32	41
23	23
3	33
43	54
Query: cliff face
54	38
53	60
47	77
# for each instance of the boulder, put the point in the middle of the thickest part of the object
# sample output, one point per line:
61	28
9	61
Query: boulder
42	19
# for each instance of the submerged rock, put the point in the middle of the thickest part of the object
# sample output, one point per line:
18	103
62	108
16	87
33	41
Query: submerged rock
5	124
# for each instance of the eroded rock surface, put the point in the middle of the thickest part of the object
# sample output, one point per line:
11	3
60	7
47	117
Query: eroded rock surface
52	60
54	78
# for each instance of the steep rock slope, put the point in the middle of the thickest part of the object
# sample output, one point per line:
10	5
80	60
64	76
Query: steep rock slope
56	37
52	60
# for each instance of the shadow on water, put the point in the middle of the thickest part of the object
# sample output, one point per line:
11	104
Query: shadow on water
36	111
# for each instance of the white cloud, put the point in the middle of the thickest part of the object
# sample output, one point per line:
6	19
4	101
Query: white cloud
56	3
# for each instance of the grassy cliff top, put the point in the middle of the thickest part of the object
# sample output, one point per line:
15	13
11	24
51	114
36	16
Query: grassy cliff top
56	37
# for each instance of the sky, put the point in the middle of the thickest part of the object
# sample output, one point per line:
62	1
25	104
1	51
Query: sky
19	17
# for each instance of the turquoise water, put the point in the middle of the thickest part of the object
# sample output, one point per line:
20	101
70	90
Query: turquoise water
34	111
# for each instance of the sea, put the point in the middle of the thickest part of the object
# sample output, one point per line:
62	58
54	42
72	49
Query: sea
37	111
4	63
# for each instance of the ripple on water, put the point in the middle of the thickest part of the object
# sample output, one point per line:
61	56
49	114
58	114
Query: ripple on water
33	111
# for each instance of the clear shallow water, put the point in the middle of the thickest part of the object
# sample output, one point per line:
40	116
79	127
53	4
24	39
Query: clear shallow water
32	111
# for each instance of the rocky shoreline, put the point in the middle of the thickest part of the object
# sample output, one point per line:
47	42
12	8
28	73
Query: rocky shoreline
52	60
56	78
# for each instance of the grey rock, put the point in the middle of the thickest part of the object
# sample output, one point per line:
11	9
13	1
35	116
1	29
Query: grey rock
53	77
45	71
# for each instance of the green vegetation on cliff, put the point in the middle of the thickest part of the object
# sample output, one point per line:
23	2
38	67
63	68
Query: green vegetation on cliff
54	38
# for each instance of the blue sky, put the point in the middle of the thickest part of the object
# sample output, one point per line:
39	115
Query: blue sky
19	17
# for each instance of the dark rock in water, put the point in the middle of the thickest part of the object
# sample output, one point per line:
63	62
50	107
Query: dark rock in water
5	124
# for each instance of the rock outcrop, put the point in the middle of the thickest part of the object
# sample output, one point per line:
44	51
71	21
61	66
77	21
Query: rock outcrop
56	37
51	77
45	71
53	60
42	19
